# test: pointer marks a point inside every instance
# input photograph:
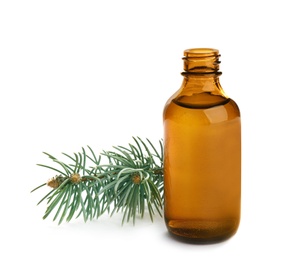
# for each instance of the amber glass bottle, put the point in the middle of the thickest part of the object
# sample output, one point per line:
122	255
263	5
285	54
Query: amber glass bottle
202	154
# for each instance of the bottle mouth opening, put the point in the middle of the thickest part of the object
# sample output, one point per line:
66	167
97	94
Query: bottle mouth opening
201	52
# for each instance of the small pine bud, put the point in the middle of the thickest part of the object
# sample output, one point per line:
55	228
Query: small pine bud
75	178
136	178
53	182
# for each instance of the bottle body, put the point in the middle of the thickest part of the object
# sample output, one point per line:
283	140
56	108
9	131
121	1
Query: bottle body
202	161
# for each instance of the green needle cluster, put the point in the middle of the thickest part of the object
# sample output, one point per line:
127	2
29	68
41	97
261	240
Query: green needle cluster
130	180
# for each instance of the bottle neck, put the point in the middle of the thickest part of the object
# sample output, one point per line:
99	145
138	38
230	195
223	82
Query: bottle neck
201	86
201	62
201	71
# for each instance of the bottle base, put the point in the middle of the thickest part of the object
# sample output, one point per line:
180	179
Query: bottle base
202	232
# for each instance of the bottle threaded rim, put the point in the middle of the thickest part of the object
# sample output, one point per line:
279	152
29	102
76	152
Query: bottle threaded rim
201	61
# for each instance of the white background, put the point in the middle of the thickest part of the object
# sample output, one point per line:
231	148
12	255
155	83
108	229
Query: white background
77	73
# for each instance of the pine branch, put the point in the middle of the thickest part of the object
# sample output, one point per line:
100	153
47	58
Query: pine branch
131	181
